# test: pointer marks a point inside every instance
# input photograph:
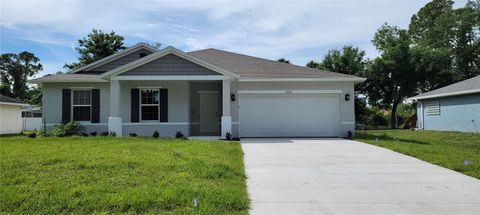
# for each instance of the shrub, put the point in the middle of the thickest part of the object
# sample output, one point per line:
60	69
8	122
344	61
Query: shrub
156	134
349	134
179	135
93	134
33	134
228	136
112	134
132	135
67	129
44	131
84	134
104	133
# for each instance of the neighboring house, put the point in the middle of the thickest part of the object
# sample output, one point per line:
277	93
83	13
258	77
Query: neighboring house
10	115
202	93
452	108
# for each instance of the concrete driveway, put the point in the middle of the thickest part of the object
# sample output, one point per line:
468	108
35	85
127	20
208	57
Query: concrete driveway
336	176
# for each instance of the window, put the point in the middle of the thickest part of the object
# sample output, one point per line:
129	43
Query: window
432	108
143	55
82	105
149	104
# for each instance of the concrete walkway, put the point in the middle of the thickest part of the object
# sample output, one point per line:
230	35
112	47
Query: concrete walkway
335	176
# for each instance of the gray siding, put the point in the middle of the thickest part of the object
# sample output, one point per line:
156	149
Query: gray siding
121	61
457	113
170	65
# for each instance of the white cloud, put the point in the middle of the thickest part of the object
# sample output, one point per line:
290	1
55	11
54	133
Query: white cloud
270	29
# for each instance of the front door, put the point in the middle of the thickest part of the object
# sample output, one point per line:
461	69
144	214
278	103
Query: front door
209	112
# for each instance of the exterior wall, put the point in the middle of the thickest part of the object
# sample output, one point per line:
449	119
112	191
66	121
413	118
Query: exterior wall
347	110
457	113
178	108
121	61
170	65
52	100
10	119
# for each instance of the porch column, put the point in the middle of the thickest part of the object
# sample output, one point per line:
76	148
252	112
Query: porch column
115	119
226	118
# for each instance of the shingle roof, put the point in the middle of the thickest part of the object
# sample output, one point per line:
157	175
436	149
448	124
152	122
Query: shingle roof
468	86
253	67
69	77
6	99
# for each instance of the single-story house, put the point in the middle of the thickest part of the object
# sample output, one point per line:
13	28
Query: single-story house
452	108
201	93
10	115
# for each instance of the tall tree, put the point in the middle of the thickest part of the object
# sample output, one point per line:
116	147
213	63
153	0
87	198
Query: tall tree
283	60
391	76
349	60
96	46
15	69
312	64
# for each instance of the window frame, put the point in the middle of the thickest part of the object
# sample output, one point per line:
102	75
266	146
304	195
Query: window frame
74	105
149	105
432	108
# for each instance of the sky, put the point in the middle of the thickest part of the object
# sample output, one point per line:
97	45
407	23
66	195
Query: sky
298	30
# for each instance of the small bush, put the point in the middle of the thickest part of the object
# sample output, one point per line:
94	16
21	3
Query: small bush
156	134
67	129
44	131
228	136
132	135
179	135
33	134
349	135
112	134
93	134
104	133
84	134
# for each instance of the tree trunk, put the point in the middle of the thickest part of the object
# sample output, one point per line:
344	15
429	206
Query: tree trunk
393	116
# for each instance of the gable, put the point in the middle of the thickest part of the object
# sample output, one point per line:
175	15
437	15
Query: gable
118	62
169	64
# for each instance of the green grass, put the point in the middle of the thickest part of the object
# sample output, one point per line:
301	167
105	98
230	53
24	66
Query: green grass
443	148
79	175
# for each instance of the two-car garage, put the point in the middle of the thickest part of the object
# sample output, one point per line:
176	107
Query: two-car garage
285	113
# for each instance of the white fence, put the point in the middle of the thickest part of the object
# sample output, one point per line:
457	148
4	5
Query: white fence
32	123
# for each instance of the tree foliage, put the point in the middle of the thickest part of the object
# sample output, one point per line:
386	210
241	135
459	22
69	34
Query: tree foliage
15	69
96	46
283	60
349	60
391	76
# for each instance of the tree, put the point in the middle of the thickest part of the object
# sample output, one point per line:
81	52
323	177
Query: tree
96	46
283	60
349	60
312	64
391	76
15	69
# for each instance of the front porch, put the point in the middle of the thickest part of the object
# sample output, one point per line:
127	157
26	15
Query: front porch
191	106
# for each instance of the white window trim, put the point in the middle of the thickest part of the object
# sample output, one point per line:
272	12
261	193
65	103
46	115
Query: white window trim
141	105
74	105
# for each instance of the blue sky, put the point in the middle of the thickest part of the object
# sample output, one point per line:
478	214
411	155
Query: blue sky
299	30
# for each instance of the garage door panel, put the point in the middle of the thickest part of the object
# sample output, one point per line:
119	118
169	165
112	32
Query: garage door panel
289	115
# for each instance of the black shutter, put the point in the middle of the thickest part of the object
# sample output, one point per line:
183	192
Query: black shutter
135	105
66	104
95	105
163	105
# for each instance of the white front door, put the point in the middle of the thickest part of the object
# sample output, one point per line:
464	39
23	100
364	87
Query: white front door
209	112
289	115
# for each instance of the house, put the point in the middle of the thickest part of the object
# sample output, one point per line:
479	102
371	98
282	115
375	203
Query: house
201	93
10	115
452	108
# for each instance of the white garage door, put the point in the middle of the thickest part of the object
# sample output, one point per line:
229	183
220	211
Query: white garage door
289	115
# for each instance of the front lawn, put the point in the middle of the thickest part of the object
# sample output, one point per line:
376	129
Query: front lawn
84	175
454	150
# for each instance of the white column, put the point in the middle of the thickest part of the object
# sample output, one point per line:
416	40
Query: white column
226	118
115	119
